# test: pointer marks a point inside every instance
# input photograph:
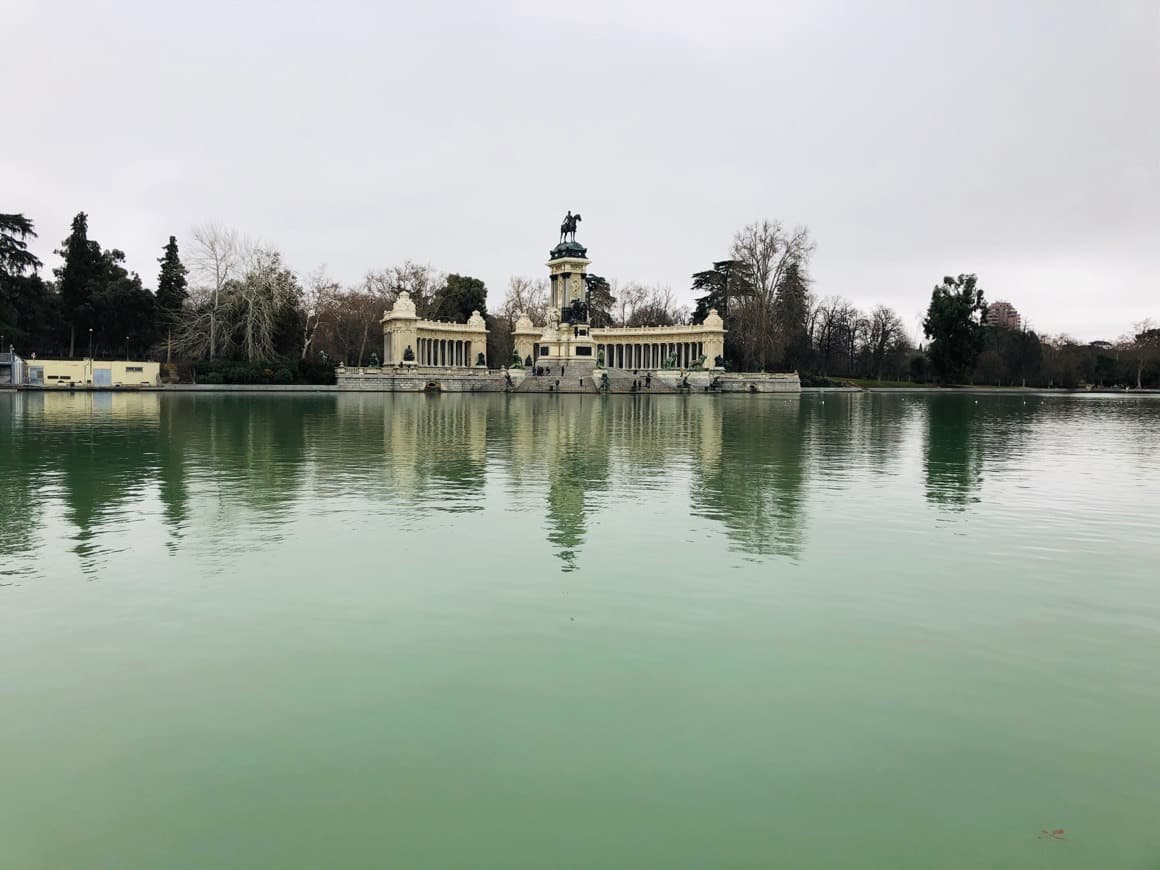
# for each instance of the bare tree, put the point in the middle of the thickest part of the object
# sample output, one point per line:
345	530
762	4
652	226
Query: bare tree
258	301
317	297
764	253
835	334
1144	346
350	323
658	307
422	281
885	335
218	256
629	297
242	316
525	296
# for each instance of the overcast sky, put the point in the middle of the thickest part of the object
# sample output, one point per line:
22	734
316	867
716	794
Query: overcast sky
1017	140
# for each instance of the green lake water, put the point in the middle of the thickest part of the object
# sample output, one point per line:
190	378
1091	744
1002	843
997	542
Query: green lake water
332	631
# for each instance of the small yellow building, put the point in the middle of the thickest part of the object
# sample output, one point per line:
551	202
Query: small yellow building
90	373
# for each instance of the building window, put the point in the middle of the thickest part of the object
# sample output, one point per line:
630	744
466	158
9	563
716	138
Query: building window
134	368
544	350
583	350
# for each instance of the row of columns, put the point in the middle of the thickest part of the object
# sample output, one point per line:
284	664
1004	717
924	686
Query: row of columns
650	355
444	352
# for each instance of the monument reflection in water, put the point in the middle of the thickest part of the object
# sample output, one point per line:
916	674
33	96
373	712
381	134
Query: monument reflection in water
82	468
243	471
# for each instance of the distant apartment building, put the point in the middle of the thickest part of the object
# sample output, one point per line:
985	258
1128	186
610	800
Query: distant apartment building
1004	316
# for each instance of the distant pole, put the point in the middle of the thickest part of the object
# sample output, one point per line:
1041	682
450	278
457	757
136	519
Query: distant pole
126	348
90	343
169	348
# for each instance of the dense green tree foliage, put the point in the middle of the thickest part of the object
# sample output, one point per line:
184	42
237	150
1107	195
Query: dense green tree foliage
713	285
78	275
103	306
791	311
171	286
601	302
954	325
15	258
123	311
29	308
458	297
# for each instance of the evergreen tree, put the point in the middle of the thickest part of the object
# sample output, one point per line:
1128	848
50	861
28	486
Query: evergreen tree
124	312
77	276
791	309
600	302
716	286
15	258
28	306
457	298
954	325
171	286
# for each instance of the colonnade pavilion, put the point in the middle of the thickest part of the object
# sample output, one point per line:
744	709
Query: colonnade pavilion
567	338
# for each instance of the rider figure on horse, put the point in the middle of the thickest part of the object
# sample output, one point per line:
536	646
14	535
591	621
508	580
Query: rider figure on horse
568	228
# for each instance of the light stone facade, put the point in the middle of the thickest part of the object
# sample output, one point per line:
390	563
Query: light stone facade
434	343
444	345
635	348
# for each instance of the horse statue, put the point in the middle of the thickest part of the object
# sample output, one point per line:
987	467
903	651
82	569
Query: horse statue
568	228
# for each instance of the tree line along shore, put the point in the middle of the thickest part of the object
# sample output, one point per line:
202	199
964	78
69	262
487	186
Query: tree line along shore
225	309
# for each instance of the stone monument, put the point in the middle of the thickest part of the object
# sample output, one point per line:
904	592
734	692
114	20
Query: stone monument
567	339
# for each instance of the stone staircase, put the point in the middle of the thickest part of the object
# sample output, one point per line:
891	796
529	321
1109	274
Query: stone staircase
574	381
579	380
620	381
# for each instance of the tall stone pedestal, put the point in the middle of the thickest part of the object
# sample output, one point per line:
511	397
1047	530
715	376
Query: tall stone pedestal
567	339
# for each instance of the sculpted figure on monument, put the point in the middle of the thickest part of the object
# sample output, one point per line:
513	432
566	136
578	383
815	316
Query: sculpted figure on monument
568	227
408	354
576	312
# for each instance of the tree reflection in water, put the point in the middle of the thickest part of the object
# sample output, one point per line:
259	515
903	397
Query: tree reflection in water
223	463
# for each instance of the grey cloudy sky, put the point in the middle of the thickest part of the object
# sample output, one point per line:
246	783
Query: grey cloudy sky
1018	140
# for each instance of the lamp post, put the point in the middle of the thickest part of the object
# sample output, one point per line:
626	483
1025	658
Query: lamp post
90	344
126	348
